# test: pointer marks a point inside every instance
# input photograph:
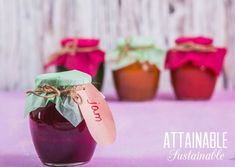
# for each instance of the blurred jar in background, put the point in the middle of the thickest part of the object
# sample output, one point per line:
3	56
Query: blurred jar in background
80	54
136	68
195	65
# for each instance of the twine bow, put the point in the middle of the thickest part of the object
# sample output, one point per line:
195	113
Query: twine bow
190	46
71	48
51	92
128	48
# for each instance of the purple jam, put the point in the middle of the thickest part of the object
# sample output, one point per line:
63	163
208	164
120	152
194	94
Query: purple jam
57	141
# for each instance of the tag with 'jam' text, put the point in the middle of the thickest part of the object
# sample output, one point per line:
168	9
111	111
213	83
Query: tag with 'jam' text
97	115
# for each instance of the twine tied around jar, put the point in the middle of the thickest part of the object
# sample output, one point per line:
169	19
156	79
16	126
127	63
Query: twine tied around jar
128	48
52	92
190	46
72	48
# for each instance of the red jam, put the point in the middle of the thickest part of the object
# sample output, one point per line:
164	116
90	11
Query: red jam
193	83
57	141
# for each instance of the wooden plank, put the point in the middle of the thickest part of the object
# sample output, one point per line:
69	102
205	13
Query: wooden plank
229	75
31	30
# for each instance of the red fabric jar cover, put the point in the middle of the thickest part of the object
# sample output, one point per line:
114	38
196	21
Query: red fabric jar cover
78	54
203	54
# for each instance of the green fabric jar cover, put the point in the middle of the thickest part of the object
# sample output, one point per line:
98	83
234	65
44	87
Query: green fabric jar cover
65	105
136	49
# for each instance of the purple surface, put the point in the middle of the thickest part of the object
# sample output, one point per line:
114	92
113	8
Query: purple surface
140	128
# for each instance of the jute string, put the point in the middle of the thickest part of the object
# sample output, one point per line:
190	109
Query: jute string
72	48
51	92
128	48
190	46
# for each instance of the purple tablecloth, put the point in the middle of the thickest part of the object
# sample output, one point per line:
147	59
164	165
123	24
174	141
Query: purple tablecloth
140	129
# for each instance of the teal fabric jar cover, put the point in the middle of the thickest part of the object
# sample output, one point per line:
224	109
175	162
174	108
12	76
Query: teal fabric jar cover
136	49
64	104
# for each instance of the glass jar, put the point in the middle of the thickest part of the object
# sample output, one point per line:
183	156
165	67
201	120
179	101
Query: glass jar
80	54
136	68
194	64
137	82
193	82
59	128
57	141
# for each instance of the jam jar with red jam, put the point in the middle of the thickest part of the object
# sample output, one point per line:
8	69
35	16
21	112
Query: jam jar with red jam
81	54
194	64
200	80
60	134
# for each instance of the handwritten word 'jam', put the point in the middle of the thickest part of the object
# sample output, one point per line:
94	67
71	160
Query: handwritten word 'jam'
95	109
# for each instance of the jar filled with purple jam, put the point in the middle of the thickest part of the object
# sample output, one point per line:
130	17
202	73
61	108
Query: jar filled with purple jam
57	141
59	130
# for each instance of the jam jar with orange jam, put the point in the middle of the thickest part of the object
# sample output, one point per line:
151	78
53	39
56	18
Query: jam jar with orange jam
59	131
195	64
136	69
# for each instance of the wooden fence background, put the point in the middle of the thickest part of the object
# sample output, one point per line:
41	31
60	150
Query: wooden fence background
31	29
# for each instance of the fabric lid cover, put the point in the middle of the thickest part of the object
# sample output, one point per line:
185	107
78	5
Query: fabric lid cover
81	42
87	62
197	40
212	60
65	105
67	78
139	49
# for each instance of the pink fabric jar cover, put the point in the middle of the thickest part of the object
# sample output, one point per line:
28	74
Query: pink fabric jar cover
86	61
212	60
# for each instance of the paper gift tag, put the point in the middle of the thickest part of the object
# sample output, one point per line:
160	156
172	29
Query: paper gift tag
97	115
